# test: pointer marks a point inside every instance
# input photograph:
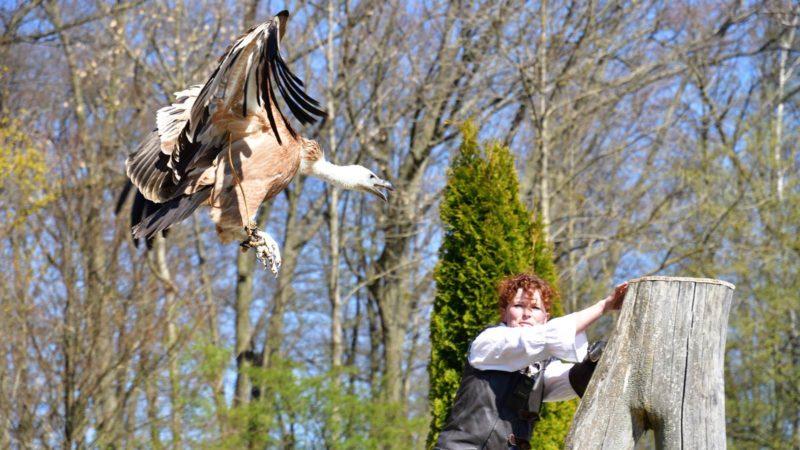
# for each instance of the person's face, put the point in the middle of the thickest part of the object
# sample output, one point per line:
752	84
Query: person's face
525	310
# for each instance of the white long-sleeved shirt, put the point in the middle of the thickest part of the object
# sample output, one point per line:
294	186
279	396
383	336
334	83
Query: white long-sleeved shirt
510	349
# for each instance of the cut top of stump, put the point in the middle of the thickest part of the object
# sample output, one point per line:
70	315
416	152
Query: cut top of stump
688	279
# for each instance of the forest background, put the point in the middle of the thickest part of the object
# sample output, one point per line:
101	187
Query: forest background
650	138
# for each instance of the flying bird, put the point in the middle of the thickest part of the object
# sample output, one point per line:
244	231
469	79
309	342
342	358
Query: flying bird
227	145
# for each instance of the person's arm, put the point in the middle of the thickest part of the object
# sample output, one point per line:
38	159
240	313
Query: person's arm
513	348
588	316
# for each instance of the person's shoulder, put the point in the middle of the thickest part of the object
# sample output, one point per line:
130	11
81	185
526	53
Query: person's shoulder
486	338
491	330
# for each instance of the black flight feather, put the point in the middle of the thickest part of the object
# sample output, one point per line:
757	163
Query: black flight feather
167	214
244	100
140	208
299	107
268	102
123	196
296	86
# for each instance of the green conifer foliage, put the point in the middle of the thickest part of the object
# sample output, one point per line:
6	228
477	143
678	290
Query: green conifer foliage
489	234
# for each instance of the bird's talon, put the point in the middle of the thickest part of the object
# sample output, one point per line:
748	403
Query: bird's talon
267	250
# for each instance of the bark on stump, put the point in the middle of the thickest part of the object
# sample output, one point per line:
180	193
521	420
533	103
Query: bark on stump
662	370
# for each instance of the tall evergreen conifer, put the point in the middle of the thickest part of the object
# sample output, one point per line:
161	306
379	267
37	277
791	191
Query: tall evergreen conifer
489	234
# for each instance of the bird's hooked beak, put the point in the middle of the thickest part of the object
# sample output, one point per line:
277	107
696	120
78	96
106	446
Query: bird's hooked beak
379	184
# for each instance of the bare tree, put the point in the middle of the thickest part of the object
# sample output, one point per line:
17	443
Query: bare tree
653	137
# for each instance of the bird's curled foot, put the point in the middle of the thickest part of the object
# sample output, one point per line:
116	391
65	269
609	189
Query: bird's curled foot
267	250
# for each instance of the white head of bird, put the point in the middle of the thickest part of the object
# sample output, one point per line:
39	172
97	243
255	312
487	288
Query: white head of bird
352	177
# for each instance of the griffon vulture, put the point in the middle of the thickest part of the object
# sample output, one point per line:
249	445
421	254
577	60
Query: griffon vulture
227	145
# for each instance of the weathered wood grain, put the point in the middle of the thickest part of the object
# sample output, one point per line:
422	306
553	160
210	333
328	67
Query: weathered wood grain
662	370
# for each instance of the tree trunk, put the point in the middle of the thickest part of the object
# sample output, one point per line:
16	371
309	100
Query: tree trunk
662	370
245	264
783	74
337	342
161	270
543	129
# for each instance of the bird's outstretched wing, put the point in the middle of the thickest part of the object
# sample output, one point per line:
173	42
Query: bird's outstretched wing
149	166
196	128
253	88
170	120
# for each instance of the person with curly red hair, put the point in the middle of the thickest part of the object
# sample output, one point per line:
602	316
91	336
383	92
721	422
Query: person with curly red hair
526	359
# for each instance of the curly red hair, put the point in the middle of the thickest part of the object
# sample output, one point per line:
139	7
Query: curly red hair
529	283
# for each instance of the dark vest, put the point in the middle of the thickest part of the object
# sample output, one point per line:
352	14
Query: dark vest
492	410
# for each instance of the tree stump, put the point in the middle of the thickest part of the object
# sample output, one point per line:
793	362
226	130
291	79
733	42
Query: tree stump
662	370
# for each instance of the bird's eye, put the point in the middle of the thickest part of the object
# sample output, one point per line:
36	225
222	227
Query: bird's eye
372	175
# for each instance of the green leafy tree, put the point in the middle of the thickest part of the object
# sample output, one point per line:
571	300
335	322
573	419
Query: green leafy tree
489	234
297	410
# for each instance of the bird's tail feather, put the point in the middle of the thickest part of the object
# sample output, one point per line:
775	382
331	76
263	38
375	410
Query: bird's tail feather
123	196
140	209
167	214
